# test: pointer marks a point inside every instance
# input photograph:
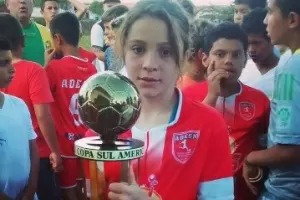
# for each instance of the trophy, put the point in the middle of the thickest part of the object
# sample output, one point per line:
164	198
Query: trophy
109	104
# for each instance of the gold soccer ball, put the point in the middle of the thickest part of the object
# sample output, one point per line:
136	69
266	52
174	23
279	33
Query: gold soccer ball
109	104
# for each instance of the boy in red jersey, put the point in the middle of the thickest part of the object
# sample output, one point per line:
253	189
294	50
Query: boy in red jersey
66	76
245	110
31	85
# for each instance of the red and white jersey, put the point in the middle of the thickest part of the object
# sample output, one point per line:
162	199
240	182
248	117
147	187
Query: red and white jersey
92	58
247	117
188	158
66	77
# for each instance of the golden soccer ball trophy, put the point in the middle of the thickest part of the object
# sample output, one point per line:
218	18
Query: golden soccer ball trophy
109	104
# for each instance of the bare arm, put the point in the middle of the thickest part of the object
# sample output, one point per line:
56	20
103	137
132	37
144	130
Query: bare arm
46	124
97	41
80	7
276	156
99	53
34	170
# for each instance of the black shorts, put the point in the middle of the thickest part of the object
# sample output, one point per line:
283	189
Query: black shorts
48	188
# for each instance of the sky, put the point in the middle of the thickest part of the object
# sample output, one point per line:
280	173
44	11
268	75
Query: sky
196	2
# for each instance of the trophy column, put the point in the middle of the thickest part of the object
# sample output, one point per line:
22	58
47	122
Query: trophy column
95	150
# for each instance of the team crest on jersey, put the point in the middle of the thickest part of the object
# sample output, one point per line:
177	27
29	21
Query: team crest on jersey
184	145
247	110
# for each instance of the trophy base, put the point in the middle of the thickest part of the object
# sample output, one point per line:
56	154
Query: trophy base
93	148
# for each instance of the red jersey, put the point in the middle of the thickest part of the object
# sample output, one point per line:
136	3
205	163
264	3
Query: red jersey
31	84
91	58
66	77
85	54
189	158
185	81
247	117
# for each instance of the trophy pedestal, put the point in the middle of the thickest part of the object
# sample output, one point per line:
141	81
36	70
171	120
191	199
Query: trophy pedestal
94	150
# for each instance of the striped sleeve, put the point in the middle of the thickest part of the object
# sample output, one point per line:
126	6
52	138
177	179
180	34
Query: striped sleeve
285	118
216	181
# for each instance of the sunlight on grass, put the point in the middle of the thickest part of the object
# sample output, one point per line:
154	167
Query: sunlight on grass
85	42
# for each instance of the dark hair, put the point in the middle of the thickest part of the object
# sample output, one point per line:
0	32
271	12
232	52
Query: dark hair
253	23
188	6
226	30
4	44
111	1
11	30
288	6
43	3
114	12
171	13
117	22
67	26
198	31
252	3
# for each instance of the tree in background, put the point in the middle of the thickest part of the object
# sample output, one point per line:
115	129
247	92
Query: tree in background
216	14
96	7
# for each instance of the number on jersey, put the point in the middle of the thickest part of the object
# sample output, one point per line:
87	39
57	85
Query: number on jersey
74	110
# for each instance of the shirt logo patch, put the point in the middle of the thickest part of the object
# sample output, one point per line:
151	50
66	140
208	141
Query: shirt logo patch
184	145
247	110
283	121
2	142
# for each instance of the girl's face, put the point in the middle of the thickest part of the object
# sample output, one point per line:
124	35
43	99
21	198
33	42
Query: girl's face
149	58
113	39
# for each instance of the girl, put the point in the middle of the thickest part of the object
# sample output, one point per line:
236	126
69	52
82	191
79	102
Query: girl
187	154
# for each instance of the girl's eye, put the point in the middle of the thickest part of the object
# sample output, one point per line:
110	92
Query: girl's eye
236	55
138	50
166	52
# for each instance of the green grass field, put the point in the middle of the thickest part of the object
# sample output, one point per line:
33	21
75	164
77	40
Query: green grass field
85	42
